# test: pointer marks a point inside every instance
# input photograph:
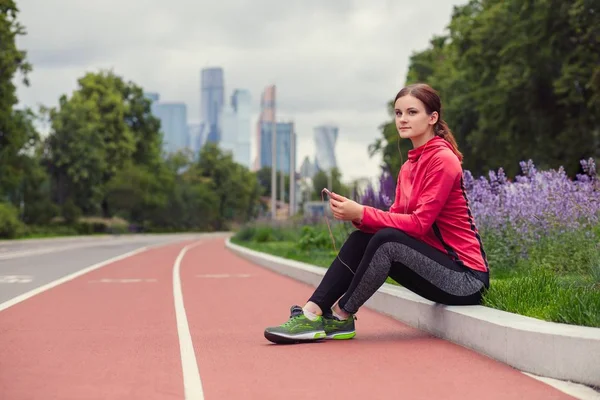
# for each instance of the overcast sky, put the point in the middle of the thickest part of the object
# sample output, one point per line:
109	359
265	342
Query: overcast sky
334	62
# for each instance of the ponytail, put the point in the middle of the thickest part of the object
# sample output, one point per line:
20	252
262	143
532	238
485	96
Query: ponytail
442	130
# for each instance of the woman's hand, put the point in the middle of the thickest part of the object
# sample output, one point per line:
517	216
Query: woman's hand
345	209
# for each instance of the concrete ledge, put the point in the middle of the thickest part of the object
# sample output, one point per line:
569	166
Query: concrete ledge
548	349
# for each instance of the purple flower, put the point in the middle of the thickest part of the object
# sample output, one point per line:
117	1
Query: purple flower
536	204
384	198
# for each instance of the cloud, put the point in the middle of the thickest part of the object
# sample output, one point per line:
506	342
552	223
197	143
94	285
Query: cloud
333	62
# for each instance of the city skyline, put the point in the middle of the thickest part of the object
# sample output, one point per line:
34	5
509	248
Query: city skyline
343	72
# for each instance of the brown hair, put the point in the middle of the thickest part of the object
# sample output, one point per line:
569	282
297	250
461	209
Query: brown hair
432	102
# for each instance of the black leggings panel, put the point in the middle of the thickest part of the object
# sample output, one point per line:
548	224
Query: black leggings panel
366	260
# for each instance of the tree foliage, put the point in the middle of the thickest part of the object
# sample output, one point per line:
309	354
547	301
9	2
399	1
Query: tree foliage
321	180
16	133
519	80
105	125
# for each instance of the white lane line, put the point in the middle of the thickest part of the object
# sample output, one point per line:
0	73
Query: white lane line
42	250
16	278
224	276
33	292
124	280
36	251
191	375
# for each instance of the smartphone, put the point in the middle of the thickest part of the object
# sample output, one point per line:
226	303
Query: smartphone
326	191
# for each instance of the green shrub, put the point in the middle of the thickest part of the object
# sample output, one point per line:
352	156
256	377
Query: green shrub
246	234
40	212
264	234
501	252
10	225
118	229
569	252
97	225
314	239
70	212
52	230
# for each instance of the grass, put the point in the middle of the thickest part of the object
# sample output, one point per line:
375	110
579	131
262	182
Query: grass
551	290
289	250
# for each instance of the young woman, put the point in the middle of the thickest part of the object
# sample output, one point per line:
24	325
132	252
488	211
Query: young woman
427	241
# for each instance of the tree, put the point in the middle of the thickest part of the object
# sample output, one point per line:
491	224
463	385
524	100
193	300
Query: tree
237	189
264	180
518	80
16	133
38	208
104	125
320	181
135	193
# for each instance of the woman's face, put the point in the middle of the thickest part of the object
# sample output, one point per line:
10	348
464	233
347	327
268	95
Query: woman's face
412	120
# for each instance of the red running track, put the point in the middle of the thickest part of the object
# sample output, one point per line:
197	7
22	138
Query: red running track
86	339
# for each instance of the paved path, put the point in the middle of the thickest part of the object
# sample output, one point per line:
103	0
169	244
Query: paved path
184	319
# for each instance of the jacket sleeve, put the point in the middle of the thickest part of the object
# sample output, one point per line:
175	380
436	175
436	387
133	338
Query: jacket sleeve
362	227
439	179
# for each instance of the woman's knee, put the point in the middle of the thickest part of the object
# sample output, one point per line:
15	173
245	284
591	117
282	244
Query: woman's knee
356	243
357	237
389	235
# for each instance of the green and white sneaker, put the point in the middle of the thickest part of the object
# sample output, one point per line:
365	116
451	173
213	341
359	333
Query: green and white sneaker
339	329
297	329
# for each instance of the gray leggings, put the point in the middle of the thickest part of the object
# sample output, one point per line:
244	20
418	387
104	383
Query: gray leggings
366	260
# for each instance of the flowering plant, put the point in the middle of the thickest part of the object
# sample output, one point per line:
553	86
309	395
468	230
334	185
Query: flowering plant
535	205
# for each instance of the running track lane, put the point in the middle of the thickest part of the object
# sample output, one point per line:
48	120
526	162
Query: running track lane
229	301
86	339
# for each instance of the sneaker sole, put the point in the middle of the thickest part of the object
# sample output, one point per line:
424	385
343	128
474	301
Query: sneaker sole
282	338
341	335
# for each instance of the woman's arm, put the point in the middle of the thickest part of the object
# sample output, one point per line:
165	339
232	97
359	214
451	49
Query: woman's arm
439	178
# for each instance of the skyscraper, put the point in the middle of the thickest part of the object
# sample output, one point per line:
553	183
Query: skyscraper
307	168
173	124
285	135
228	129
195	137
211	101
234	122
267	114
325	138
241	104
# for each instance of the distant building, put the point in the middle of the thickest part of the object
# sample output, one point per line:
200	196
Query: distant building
234	121
325	137
212	93
173	123
307	169
285	135
241	101
266	117
195	137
